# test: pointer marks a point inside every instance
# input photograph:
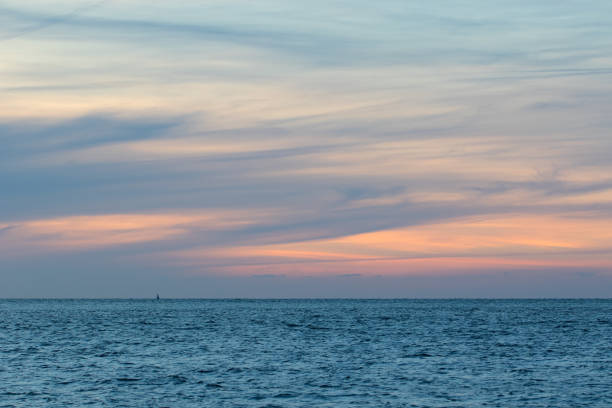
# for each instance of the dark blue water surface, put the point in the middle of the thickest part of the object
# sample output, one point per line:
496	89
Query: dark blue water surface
306	353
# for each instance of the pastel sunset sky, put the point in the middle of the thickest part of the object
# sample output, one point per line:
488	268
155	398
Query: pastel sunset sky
230	148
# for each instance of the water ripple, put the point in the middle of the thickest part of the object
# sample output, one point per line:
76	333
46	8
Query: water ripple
304	353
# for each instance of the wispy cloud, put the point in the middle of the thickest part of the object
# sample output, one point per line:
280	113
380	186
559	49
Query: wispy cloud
258	138
42	22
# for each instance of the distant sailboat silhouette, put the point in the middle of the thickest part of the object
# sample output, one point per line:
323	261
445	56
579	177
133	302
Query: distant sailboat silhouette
158	296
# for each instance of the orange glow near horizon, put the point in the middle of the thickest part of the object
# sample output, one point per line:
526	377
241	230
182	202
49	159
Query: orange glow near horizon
85	232
501	242
456	246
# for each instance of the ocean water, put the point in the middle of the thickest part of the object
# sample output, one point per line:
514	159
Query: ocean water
306	353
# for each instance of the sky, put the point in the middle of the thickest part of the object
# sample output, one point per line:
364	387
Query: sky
305	149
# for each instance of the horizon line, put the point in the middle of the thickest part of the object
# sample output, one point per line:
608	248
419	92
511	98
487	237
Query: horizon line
304	298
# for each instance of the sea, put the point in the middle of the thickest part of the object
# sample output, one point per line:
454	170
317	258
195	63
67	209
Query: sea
306	353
